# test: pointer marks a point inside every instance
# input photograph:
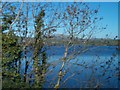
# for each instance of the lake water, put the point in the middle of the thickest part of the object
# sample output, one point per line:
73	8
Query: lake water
98	66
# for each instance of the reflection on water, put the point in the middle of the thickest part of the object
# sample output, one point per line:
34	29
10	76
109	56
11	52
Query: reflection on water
96	67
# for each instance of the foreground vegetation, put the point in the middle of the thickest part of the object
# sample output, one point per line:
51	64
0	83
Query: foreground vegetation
31	24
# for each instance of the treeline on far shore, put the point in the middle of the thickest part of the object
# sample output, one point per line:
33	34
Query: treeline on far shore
97	42
55	41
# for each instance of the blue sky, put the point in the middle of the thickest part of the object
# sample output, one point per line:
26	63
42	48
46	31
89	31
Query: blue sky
109	12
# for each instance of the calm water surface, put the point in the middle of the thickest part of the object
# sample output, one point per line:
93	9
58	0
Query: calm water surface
97	66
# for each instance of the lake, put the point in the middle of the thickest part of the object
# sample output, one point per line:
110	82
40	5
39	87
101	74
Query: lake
96	67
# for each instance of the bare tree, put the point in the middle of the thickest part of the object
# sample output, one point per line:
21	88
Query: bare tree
79	21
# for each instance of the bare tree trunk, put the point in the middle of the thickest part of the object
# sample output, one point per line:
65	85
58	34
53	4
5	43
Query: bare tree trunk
60	74
19	65
16	18
25	74
26	30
